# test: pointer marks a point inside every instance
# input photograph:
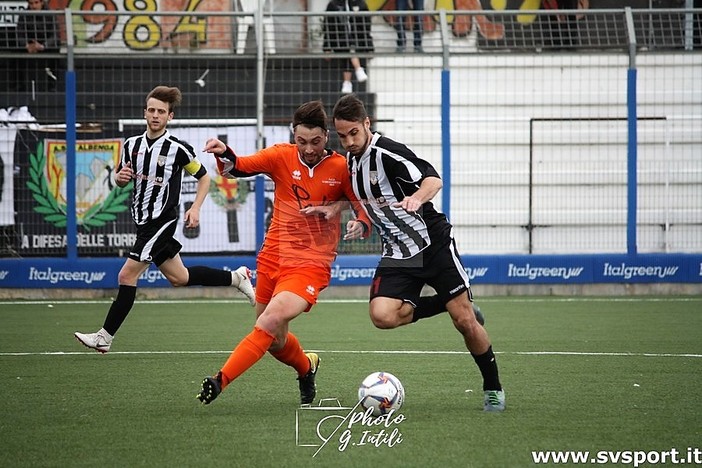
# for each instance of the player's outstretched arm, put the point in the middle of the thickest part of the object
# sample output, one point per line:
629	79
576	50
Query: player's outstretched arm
214	146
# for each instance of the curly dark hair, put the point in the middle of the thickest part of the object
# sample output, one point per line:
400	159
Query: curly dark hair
311	114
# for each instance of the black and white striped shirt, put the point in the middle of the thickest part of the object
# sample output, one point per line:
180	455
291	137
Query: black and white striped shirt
158	168
386	173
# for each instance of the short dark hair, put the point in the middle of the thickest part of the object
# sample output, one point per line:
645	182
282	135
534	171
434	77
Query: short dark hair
171	95
350	108
311	114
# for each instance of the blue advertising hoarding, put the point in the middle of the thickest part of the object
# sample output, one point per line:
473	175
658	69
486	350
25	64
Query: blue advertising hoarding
358	270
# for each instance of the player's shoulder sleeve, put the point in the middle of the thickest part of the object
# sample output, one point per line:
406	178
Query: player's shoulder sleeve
185	156
427	169
273	160
185	150
403	162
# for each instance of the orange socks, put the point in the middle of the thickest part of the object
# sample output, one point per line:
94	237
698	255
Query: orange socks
293	356
246	354
254	346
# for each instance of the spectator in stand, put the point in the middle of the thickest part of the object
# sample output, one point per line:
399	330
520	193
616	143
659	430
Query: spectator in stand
416	5
37	33
348	34
563	28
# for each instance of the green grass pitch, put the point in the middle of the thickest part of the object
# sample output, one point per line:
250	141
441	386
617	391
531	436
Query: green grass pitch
581	374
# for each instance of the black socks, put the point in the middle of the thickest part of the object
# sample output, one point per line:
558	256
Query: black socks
120	309
206	276
428	306
488	368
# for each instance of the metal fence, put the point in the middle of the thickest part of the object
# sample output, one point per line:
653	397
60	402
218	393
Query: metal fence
528	114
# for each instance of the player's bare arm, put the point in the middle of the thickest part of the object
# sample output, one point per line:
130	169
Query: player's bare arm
428	189
328	211
192	216
355	229
215	146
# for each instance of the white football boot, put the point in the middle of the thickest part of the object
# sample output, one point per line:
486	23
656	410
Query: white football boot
241	279
100	341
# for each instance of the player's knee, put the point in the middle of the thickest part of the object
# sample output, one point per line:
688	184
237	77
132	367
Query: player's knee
126	278
466	323
384	321
273	321
177	282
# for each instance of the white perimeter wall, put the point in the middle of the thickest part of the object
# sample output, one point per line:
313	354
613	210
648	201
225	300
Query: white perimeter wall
579	196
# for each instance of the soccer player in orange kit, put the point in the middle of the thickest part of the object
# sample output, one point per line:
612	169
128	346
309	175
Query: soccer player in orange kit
312	184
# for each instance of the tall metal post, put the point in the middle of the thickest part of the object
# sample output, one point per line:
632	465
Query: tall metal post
445	116
71	216
632	180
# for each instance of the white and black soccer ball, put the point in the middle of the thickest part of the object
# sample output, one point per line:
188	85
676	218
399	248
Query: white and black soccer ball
382	392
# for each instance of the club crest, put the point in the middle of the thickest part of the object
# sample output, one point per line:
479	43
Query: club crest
98	200
373	177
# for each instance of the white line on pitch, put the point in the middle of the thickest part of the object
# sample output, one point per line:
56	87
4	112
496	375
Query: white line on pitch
365	301
519	353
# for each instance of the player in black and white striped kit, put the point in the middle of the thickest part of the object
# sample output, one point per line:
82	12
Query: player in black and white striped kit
155	161
157	165
396	188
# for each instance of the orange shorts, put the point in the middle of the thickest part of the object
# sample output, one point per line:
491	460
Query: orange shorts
307	282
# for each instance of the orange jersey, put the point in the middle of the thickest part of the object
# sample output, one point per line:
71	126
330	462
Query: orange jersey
293	238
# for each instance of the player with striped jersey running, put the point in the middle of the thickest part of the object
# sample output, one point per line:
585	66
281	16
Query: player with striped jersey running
155	161
395	187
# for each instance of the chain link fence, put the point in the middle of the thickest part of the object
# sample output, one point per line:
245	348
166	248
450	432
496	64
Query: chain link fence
527	112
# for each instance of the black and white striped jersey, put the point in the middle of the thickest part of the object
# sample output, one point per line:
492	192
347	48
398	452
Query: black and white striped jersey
158	168
387	172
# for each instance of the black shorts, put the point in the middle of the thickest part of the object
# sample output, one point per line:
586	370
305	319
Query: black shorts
155	242
439	267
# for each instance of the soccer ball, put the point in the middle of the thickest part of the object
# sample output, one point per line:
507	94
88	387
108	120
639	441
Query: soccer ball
382	392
